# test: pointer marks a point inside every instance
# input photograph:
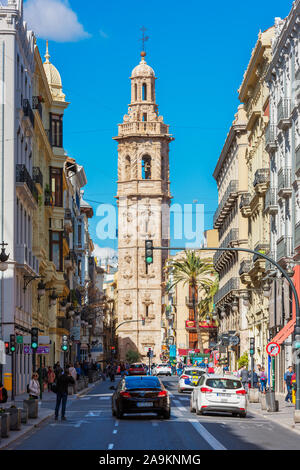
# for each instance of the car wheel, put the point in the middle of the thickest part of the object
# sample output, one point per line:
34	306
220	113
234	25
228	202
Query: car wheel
199	412
243	415
192	409
113	411
235	415
119	414
167	414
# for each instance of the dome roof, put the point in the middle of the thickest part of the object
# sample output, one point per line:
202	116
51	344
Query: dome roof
143	69
53	78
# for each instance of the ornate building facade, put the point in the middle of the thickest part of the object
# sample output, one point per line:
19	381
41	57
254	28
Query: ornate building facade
143	200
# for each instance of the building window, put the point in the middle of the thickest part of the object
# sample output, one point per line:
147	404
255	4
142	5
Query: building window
56	243
144	117
135	92
56	127
144	92
56	186
146	167
127	168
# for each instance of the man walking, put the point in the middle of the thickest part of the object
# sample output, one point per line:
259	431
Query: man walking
244	374
288	381
63	381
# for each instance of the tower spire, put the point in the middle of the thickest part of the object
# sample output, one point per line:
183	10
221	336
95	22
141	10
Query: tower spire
47	56
144	39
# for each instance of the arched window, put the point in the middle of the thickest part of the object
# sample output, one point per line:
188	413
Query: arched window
144	92
146	167
127	168
135	92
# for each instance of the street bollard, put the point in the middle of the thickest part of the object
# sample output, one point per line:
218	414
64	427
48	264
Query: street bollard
272	404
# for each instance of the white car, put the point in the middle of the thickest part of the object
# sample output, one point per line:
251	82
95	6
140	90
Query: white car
162	369
224	393
189	378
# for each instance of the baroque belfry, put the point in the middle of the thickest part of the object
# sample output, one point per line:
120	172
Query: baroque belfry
143	213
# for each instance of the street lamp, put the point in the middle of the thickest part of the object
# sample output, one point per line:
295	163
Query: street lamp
41	289
3	258
53	298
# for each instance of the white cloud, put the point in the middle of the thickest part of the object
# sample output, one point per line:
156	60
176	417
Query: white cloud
105	255
54	20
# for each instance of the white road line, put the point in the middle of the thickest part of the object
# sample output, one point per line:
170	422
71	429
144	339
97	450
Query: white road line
110	446
104	398
116	424
154	424
182	408
209	438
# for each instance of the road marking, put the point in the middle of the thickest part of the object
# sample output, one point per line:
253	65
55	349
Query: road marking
116	424
209	438
85	398
154	424
104	398
110	446
91	413
182	408
115	431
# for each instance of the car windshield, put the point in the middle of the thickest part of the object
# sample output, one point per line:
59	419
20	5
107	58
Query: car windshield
194	372
163	365
224	383
142	382
136	366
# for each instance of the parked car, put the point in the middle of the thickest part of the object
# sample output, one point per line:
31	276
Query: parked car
137	369
140	395
162	369
189	378
224	393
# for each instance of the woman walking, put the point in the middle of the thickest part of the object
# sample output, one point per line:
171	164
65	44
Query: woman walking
34	387
51	378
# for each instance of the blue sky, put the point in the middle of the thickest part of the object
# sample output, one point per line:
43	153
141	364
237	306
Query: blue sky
199	51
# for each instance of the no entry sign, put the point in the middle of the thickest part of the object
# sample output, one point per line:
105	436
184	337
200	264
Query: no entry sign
273	349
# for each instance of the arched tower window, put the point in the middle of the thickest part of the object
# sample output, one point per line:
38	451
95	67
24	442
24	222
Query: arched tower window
144	92
127	168
146	167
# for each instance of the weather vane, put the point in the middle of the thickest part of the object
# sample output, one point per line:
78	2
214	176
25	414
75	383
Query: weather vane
144	38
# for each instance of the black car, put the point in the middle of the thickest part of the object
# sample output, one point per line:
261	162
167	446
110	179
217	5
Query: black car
141	394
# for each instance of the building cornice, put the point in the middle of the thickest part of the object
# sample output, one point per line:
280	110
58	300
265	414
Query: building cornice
234	132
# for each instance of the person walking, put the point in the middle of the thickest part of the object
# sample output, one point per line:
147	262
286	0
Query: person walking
73	373
57	369
63	381
244	374
3	393
51	378
34	386
263	381
112	373
288	381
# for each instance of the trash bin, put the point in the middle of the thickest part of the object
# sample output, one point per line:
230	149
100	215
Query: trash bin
272	404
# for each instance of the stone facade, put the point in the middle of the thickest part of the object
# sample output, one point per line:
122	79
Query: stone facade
143	201
254	94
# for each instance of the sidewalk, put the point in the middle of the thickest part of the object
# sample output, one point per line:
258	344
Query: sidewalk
284	417
48	400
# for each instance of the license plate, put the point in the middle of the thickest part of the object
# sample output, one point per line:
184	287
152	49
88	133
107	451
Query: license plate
226	395
144	404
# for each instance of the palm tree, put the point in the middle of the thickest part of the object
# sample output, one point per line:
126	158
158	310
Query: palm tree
196	272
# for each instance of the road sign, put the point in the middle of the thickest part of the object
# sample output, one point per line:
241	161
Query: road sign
39	350
273	349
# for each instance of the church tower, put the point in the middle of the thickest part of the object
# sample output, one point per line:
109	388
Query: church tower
143	210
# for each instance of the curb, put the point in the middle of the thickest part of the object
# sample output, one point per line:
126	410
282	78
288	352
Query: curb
290	427
8	441
85	390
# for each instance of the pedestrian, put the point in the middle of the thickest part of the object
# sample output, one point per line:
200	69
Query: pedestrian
63	381
78	370
263	381
244	374
288	381
57	369
73	373
3	393
51	378
112	373
34	386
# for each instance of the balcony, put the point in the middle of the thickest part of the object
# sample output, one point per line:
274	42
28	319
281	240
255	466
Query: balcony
297	159
284	119
68	220
231	238
271	134
28	113
48	198
25	260
271	205
226	203
284	247
26	184
245	205
261	180
245	266
261	248
228	288
143	127
269	266
37	177
36	104
285	182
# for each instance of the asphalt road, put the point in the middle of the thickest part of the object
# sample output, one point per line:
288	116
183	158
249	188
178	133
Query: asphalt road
90	426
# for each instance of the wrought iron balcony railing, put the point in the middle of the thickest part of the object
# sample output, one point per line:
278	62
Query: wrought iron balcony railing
261	176
226	201
271	134
37	175
231	285
23	176
271	204
27	110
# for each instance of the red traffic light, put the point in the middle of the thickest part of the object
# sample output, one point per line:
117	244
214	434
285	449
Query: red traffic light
6	347
112	348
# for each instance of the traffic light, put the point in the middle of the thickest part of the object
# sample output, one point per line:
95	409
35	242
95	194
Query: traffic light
65	344
34	338
252	346
113	349
7	347
143	321
12	343
149	353
149	252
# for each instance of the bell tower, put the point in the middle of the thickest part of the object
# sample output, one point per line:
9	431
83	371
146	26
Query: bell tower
143	213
